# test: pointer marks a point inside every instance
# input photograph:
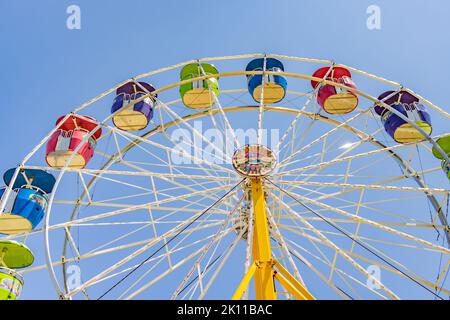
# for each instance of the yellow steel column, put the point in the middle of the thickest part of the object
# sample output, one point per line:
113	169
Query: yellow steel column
262	253
244	283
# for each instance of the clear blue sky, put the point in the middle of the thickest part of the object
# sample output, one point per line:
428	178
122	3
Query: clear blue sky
47	70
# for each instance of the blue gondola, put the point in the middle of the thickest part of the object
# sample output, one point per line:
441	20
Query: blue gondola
274	85
28	201
139	114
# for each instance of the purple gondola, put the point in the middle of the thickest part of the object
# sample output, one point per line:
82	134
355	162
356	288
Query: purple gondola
408	105
138	115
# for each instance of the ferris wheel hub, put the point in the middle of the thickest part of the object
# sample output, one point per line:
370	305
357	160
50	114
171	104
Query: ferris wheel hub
254	160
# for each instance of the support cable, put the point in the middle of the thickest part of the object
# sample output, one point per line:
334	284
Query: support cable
170	240
354	239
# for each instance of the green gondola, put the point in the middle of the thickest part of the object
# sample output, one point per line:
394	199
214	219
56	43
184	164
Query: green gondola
446	167
199	94
444	143
11	284
13	255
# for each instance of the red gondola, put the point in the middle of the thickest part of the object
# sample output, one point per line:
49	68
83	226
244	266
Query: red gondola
334	99
68	136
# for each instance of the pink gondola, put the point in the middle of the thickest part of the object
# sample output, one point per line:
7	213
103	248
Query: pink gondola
68	136
333	99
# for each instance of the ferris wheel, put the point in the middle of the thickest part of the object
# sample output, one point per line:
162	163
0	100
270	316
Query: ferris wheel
256	176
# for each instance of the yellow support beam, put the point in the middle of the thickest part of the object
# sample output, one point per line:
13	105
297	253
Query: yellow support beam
289	287
292	282
255	252
262	268
262	253
244	283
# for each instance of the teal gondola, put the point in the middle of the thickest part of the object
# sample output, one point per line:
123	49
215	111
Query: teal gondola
25	207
